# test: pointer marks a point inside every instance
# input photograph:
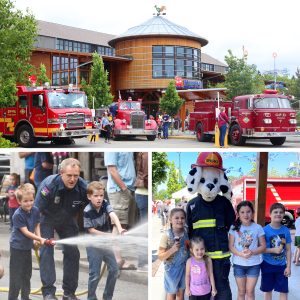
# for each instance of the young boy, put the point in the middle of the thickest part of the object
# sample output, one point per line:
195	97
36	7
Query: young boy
12	200
96	221
276	265
26	228
297	239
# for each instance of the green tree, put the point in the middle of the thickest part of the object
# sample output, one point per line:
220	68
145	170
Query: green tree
99	82
160	165
161	195
241	79
42	75
175	180
18	33
170	101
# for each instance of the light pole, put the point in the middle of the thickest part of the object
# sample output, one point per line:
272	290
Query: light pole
274	56
76	69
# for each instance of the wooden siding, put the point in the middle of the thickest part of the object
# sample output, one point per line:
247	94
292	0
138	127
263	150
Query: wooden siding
137	74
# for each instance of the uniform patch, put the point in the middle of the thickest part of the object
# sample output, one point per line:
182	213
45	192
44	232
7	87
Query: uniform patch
45	191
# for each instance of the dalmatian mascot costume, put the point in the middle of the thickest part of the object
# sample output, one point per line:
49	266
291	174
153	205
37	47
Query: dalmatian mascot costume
211	214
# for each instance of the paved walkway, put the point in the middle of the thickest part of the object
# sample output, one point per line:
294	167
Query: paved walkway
156	283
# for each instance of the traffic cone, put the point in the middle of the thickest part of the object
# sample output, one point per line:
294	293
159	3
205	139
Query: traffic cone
226	138
217	136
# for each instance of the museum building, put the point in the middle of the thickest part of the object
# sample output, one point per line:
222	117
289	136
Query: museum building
140	62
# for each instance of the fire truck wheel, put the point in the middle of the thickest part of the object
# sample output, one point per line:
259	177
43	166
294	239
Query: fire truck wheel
235	135
25	137
278	141
200	133
288	219
151	137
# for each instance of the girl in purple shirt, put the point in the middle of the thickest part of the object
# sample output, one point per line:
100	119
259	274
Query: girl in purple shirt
199	277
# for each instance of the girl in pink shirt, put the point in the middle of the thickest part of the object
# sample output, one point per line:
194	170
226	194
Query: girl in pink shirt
199	278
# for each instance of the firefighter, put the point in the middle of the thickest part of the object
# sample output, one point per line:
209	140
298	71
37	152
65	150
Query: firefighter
59	198
210	215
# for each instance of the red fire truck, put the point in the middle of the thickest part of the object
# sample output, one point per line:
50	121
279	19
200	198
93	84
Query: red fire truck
43	114
261	116
130	120
282	190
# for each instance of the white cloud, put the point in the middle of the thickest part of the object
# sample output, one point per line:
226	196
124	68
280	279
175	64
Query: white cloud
261	26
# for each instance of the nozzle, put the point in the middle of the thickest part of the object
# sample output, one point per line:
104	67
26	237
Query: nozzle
50	242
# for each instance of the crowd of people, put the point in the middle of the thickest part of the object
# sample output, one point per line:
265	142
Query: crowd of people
254	249
50	206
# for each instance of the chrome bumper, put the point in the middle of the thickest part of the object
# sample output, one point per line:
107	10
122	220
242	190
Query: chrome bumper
74	133
134	132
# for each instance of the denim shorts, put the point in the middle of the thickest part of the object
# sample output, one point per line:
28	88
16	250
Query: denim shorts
246	271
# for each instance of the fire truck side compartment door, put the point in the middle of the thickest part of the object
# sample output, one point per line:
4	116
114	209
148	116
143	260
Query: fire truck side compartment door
38	115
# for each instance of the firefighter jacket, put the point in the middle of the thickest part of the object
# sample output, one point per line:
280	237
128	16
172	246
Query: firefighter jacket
211	221
56	203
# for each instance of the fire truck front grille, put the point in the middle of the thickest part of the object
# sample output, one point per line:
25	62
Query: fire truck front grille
137	120
75	120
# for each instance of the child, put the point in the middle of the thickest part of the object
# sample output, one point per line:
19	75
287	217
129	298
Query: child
276	265
26	228
93	137
159	130
297	239
96	221
246	242
199	277
172	250
12	200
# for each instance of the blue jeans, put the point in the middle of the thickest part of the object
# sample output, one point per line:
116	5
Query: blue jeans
222	134
70	260
166	130
142	204
95	257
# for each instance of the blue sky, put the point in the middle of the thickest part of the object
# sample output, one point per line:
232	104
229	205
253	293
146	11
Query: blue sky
237	163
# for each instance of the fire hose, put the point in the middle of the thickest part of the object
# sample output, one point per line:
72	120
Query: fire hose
38	291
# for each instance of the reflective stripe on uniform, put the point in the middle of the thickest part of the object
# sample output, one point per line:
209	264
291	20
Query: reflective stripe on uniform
204	223
218	254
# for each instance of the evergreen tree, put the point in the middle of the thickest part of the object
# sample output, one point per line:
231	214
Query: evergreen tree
42	77
241	79
18	32
100	88
171	102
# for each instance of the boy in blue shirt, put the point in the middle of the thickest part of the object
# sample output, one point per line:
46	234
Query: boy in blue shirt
96	221
276	265
25	230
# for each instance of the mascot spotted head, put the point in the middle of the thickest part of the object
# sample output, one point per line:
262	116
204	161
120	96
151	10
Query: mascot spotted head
208	178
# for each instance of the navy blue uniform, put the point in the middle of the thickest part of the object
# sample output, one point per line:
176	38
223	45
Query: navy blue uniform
59	207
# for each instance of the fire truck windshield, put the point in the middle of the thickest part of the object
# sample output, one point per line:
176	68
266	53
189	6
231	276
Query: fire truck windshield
67	100
271	102
130	105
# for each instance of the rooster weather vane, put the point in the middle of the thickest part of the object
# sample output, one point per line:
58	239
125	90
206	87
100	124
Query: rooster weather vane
159	10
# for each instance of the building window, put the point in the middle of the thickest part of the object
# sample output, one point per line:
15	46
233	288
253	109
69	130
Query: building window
64	63
55	63
55	79
171	61
64	70
64	78
76	46
59	44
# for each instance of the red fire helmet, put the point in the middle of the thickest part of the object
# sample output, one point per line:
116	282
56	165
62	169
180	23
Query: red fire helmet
209	159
